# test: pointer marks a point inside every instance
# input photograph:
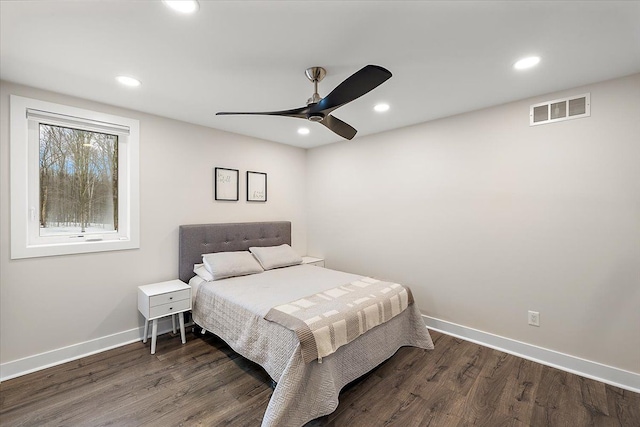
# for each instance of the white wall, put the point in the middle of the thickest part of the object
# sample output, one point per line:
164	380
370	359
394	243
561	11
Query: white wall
50	303
486	218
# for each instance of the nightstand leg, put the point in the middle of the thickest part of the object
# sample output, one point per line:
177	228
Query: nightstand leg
154	336
146	331
173	323
181	317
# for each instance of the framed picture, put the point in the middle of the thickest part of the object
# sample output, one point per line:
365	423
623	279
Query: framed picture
256	186
226	185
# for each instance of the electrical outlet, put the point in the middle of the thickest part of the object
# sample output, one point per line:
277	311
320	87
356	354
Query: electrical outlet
534	318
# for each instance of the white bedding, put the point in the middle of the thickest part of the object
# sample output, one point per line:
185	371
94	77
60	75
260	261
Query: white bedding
195	284
259	293
234	309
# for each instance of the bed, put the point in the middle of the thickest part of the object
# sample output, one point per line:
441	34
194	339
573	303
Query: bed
234	309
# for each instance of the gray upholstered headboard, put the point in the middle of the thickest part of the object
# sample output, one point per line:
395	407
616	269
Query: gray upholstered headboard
199	239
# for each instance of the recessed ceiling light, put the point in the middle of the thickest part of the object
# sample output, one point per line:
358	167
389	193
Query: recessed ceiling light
526	62
182	6
128	81
303	131
380	108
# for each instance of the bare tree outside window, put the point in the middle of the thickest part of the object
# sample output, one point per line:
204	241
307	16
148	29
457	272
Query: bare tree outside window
78	181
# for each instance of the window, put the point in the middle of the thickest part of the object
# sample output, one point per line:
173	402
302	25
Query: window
74	180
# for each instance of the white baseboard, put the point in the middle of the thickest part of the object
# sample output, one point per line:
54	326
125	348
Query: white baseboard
29	364
575	365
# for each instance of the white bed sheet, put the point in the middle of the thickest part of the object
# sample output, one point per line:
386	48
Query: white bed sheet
234	310
263	291
195	283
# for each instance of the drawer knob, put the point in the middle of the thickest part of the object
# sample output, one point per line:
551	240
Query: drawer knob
170	297
170	308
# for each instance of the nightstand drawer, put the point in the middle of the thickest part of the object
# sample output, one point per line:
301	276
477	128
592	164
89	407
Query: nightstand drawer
166	309
169	297
317	263
309	260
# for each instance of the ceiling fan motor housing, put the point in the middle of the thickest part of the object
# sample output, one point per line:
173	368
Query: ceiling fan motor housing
315	117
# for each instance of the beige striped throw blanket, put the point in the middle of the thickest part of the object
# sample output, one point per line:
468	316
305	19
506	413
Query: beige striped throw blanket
330	319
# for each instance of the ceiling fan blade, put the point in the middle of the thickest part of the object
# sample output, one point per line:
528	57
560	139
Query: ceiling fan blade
296	112
356	85
359	83
336	125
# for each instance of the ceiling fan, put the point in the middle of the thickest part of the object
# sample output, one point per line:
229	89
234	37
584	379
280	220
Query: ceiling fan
319	109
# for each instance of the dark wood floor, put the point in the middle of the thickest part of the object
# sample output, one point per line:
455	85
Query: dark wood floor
205	383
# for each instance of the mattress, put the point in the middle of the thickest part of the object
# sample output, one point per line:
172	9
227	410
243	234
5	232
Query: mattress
234	309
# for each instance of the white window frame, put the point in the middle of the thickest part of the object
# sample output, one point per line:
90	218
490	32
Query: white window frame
26	241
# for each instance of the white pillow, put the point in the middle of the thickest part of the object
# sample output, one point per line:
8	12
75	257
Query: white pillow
276	256
202	272
230	264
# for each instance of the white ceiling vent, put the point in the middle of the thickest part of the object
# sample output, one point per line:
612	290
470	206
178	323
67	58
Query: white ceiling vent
573	107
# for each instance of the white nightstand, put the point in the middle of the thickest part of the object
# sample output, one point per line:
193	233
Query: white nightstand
163	299
313	261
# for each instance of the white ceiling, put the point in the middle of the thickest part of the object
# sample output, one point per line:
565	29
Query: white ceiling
447	57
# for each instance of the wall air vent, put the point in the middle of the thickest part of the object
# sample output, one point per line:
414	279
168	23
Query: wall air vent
573	107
